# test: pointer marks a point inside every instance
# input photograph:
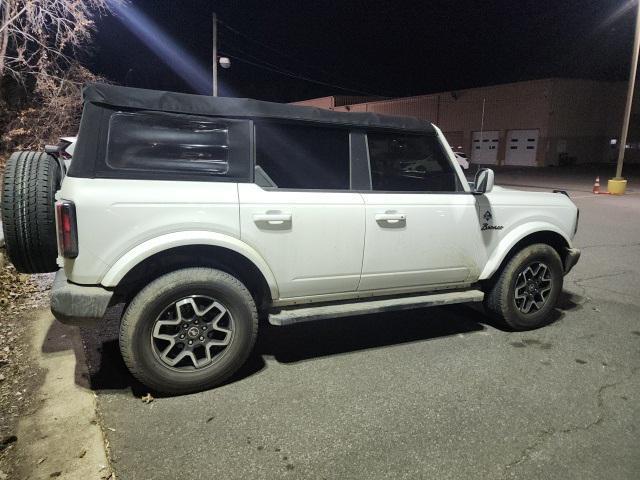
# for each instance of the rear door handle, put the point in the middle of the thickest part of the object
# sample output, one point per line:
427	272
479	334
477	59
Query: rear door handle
390	217
272	218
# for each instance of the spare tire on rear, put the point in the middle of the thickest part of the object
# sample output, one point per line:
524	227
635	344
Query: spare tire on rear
31	180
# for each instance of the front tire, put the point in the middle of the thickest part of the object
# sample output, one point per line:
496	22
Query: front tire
188	330
525	292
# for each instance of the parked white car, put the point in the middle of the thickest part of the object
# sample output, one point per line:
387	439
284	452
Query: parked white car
462	159
200	213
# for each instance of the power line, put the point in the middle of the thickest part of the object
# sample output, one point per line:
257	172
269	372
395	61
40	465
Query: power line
259	60
287	55
268	47
287	73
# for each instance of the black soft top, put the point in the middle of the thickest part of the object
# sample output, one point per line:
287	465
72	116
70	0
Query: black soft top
156	100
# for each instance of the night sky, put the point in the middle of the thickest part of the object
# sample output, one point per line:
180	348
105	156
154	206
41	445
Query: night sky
387	48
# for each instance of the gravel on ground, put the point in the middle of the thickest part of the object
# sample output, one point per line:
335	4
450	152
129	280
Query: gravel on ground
20	377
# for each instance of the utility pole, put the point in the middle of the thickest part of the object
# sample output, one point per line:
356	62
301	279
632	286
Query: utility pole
484	99
632	81
215	55
482	119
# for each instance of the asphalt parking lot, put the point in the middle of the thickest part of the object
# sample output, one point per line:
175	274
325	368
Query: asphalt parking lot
432	393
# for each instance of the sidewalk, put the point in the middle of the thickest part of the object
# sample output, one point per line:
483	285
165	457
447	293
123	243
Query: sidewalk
62	437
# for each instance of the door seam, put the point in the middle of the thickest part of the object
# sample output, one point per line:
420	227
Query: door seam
364	240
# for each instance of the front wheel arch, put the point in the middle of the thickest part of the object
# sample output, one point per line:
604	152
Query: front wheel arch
547	237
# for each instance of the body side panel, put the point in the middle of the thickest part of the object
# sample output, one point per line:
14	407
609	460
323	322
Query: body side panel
438	242
508	216
317	249
115	216
179	239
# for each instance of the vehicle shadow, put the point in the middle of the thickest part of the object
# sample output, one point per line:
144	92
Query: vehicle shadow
305	341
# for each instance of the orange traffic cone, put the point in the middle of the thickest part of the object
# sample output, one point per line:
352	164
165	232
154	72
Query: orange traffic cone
596	186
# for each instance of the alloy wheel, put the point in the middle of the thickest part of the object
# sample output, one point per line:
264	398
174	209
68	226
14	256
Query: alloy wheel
192	333
533	285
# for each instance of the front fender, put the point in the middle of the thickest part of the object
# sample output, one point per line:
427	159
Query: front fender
512	238
180	239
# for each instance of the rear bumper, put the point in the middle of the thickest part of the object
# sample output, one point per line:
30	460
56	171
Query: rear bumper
571	257
77	304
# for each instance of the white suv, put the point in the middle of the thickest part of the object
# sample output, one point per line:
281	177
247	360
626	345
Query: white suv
200	213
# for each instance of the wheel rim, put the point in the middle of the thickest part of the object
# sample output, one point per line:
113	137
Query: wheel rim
192	333
533	286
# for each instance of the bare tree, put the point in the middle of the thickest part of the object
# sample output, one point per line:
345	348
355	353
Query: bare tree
39	43
39	38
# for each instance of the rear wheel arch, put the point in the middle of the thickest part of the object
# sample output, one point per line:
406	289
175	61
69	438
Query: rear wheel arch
191	256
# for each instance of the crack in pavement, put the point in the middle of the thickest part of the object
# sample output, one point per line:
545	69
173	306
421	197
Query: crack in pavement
609	245
603	275
628	295
582	294
546	435
578	282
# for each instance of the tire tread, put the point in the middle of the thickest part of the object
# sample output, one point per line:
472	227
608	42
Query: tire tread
497	300
151	291
28	213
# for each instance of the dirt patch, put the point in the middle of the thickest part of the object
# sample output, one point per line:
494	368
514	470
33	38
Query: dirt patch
20	377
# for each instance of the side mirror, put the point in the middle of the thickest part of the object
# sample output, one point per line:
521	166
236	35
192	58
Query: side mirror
484	181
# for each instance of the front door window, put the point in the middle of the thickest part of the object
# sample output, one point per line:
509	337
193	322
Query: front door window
410	163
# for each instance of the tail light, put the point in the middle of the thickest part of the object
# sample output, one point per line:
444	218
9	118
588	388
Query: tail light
67	229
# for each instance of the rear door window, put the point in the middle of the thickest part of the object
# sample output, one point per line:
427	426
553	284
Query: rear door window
303	157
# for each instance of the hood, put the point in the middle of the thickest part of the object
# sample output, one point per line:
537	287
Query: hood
510	196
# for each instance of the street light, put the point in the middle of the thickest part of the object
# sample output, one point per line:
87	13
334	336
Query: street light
224	62
618	184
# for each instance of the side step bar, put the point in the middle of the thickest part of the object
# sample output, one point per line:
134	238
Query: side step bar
306	313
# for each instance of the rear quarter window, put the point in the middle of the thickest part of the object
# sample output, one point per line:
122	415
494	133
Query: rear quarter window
169	145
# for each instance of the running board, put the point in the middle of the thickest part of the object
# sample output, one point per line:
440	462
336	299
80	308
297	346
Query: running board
308	313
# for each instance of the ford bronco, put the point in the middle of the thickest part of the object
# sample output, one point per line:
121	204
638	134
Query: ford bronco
204	214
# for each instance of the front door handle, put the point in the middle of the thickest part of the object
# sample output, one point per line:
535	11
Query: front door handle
272	218
391	217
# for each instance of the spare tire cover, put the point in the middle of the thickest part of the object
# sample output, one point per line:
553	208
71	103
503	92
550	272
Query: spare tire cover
31	180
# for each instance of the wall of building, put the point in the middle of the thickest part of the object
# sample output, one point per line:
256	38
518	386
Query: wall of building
459	113
575	120
584	116
323	102
333	101
516	106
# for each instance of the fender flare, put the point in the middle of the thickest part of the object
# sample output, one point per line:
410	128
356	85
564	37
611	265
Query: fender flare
185	238
505	245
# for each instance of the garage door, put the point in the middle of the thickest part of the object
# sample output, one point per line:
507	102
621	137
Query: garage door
484	147
522	146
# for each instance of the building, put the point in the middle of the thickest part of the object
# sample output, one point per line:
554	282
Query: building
334	102
552	121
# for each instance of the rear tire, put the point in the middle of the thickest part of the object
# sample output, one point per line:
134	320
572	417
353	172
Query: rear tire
174	321
524	294
31	180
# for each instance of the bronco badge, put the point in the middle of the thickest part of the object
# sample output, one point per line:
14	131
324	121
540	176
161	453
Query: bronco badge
488	217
